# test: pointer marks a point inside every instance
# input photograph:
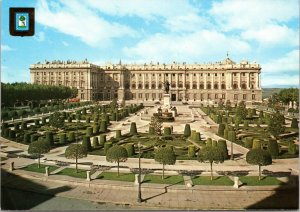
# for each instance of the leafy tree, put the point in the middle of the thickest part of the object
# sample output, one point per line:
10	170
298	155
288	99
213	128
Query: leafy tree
151	130
211	155
116	154
165	156
56	120
241	110
75	151
38	148
232	138
187	130
289	94
156	123
259	157
133	130
275	126
273	148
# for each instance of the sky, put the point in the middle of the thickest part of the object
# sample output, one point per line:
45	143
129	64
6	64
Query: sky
144	31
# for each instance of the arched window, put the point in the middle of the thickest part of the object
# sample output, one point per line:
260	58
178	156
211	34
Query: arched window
216	86
153	86
140	86
194	85
159	85
173	85
180	85
244	86
201	86
223	86
147	86
187	85
208	86
126	85
234	86
133	86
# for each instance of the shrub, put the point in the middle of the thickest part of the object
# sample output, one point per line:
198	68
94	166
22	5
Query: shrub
118	134
114	116
89	131
88	119
197	136
63	138
36	122
273	148
95	129
223	147
256	144
209	142
226	134
294	123
259	157
221	130
33	137
246	124
75	151
133	130
167	131
87	143
130	149
26	138
24	125
292	148
151	130
12	134
214	143
6	132
102	139
50	138
248	142
95	142
187	130
103	126
116	154
16	126
106	118
107	145
191	151
44	120
71	137
231	136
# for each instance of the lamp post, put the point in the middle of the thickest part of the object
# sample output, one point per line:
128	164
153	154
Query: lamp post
139	199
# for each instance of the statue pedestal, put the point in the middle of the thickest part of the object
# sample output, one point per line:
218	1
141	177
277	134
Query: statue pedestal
167	101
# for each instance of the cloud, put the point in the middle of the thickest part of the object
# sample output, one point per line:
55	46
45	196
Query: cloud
273	35
144	9
40	36
75	19
6	48
253	14
203	45
288	63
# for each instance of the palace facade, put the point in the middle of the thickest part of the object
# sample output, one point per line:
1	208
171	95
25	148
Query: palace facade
225	80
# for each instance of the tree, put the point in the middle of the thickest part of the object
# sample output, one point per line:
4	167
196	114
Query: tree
133	130
95	142
275	126
103	126
156	123
232	138
130	149
75	151
71	137
118	134
259	157
191	151
49	138
211	155
89	131
167	131
56	120
187	130
165	156
38	148
223	146
273	148
116	154
241	110
95	129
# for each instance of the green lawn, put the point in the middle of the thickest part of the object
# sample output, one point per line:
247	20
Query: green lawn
174	179
72	172
253	181
34	168
205	180
129	177
3	158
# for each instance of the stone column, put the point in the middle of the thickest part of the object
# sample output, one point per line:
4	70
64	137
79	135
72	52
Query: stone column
239	80
220	80
198	81
248	80
136	81
205	75
184	76
176	79
143	76
136	179
47	171
258	80
12	166
213	81
236	182
191	81
156	81
88	175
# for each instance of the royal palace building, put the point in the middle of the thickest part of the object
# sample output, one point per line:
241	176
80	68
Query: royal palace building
225	80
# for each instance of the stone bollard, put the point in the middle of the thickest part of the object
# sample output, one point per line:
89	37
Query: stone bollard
47	171
12	166
236	182
189	185
136	181
88	175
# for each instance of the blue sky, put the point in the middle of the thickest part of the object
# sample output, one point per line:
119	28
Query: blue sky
141	31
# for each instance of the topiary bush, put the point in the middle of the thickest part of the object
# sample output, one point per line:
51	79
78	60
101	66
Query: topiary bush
118	134
16	126
33	137
294	123
256	144
223	147
87	143
151	130
89	131
103	126
221	130
24	125
209	142
248	142
187	130
12	134
96	129
167	131
36	122
71	137
273	148
26	138
191	151
292	148
102	139
214	143
133	130
130	149
232	136
88	119
63	138
107	146
95	142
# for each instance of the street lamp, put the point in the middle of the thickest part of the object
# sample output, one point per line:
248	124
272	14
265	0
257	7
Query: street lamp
139	199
